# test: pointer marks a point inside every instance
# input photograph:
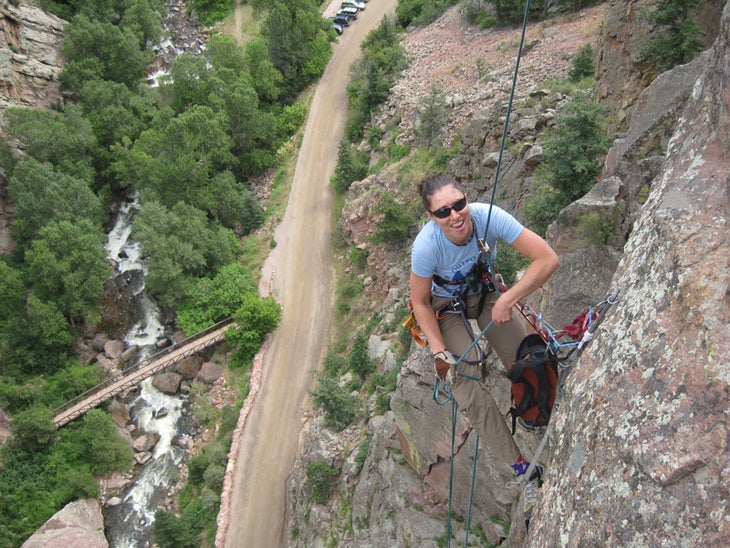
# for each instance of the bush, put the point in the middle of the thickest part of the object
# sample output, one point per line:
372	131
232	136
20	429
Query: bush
677	40
396	220
582	64
321	480
337	404
359	363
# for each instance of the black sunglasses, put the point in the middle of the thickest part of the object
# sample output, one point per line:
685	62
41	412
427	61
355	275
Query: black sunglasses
445	211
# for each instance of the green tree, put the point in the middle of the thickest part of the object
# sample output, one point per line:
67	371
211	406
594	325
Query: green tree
64	139
144	19
213	299
188	82
351	166
177	158
94	440
114	111
255	318
102	51
67	265
43	194
359	362
170	531
677	41
396	218
298	43
433	115
33	428
234	206
266	78
181	245
582	64
372	77
571	163
321	480
337	403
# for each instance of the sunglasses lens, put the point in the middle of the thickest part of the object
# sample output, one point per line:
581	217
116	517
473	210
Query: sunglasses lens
445	211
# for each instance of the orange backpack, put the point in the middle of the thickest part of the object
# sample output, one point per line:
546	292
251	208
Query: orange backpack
534	377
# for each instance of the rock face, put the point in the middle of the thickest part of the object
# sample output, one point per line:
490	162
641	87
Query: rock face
640	452
30	41
640	444
620	73
79	523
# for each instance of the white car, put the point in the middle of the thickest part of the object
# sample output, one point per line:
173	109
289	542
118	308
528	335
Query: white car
356	3
350	11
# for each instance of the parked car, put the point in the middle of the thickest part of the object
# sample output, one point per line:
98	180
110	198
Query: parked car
342	20
338	28
355	3
351	11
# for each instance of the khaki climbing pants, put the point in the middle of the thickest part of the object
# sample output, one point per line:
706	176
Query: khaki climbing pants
472	396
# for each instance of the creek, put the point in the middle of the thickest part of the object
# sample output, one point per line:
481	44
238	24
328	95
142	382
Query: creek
129	523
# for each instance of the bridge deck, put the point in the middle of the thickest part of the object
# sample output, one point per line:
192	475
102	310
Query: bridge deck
138	372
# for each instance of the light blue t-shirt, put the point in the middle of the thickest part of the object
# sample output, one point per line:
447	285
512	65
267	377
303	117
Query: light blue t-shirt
433	254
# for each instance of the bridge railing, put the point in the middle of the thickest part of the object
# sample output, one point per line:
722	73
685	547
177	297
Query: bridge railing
184	348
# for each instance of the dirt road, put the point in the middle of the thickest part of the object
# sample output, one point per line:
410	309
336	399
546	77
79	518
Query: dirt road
297	273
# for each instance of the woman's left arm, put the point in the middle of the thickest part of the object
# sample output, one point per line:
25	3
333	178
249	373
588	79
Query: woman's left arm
543	262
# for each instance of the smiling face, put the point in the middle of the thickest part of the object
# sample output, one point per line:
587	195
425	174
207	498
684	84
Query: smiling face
457	226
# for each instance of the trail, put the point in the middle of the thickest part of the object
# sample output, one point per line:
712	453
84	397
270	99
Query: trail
297	273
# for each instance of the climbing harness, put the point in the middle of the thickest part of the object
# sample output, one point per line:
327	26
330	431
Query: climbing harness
566	344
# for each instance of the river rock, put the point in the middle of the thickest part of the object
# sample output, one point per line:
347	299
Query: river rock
189	367
98	341
167	382
114	349
129	355
79	523
143	457
146	442
210	372
107	363
119	412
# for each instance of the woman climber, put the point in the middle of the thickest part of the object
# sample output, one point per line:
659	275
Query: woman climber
450	284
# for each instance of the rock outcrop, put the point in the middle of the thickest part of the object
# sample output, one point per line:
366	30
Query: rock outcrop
79	523
640	453
30	41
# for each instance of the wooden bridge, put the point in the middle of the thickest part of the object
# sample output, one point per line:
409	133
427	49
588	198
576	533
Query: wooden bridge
138	372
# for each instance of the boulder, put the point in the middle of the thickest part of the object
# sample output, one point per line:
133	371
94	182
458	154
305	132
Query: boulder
210	372
189	367
79	523
114	348
167	382
146	442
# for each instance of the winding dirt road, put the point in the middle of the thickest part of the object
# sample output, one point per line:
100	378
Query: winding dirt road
297	273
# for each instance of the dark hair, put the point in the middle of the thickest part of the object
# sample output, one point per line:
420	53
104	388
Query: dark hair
433	183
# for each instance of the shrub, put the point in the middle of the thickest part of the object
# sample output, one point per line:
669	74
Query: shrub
582	64
321	480
676	41
359	362
337	404
396	220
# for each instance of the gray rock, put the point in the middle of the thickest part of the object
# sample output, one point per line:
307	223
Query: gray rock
79	523
167	382
210	372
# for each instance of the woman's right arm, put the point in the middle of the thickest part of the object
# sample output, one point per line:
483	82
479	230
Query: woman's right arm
425	316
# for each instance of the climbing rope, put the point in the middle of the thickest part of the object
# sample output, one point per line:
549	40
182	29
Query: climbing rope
478	338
